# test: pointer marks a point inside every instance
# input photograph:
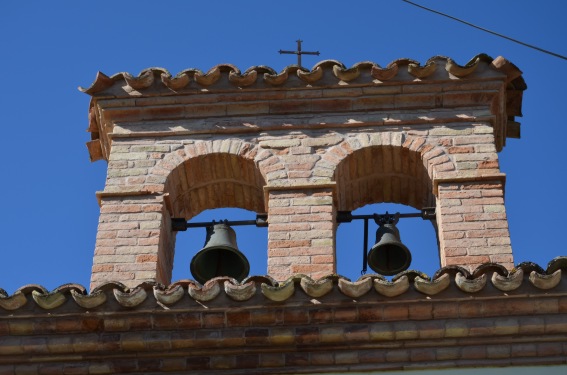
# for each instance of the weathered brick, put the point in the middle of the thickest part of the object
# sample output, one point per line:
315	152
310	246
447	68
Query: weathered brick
272	360
241	164
393	312
312	201
325	141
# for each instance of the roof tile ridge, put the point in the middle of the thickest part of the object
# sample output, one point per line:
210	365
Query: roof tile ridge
146	77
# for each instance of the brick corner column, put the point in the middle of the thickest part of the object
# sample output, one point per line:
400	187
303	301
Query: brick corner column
472	223
134	240
301	232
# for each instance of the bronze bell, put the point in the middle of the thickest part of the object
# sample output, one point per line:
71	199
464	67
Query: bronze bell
219	256
389	256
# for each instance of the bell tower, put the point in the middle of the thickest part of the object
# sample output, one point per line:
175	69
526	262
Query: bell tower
302	145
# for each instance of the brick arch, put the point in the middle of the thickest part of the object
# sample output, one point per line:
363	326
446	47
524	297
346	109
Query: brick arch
212	174
386	167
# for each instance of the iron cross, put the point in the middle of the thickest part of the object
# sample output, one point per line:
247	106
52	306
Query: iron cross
299	52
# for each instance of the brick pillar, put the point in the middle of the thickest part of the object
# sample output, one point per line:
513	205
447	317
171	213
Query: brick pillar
473	228
134	241
301	235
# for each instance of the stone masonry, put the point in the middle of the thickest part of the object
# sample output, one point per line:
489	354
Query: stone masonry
301	145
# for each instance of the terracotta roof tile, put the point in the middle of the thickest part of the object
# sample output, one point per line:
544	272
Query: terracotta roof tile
488	279
324	73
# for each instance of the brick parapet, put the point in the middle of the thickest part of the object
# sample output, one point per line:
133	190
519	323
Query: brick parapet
221	337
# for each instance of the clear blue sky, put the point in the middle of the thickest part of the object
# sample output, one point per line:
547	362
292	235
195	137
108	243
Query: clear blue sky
49	211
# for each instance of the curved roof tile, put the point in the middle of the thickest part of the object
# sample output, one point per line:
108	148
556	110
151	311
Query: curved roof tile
325	73
447	278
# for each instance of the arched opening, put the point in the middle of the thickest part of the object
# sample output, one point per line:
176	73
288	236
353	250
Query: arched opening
383	174
251	240
215	180
216	186
415	233
377	179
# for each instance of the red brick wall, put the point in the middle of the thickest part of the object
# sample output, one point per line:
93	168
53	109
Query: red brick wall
301	236
133	241
522	327
473	224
